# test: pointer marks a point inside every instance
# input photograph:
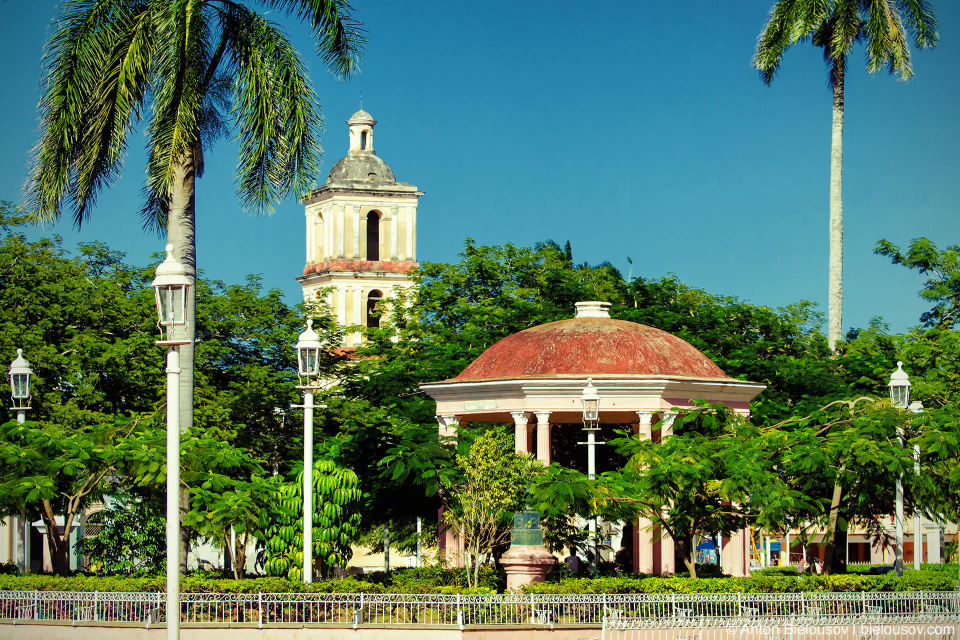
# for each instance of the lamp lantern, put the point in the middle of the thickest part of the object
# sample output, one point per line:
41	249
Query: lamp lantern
591	406
899	387
308	351
170	288
20	373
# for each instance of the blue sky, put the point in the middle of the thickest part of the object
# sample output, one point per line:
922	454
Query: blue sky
630	128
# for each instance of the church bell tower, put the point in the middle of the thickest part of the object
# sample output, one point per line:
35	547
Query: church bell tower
361	234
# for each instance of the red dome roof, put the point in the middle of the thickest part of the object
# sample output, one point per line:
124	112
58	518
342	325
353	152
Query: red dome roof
591	346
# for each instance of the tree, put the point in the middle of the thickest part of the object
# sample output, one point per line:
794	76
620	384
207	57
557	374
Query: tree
60	467
131	539
200	68
336	519
482	501
705	477
834	26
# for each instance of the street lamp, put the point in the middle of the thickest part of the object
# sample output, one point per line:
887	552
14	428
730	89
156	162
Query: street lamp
590	399
170	288
917	407
20	374
899	396
308	366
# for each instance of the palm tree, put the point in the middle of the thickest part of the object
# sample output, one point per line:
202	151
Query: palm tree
193	70
834	26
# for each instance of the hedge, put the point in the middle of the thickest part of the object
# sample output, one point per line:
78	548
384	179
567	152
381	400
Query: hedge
440	580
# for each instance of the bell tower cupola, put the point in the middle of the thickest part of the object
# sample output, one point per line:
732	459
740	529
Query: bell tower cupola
361	235
361	133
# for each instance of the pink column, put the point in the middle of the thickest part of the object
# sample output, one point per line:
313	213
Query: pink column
643	549
543	436
736	554
451	545
521	420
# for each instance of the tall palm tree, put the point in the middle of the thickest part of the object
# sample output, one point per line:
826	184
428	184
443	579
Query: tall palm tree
192	70
834	26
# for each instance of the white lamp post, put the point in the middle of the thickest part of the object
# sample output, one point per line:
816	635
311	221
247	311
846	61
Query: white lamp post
170	287
20	373
899	396
917	407
308	366
590	398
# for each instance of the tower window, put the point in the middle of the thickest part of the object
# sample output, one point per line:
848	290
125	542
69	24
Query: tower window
373	236
363	140
373	314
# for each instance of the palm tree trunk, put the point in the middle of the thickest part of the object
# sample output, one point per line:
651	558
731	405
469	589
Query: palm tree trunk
835	289
181	233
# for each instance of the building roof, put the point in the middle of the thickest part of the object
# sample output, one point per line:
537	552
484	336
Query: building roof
591	346
361	117
361	168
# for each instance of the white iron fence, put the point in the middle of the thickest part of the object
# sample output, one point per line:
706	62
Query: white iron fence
634	611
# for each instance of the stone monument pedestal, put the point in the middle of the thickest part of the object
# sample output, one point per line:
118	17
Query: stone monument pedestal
526	564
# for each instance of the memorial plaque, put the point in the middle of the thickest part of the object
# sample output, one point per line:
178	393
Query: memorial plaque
526	529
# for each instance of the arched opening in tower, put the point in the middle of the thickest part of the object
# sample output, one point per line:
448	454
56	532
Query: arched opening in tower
373	236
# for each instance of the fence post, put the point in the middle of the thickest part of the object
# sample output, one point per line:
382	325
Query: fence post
96	606
533	611
36	605
603	611
260	609
460	612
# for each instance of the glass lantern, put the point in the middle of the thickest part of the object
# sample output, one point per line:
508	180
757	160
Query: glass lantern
308	352
20	374
591	406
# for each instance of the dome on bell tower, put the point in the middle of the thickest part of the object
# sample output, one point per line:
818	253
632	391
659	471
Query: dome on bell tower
361	163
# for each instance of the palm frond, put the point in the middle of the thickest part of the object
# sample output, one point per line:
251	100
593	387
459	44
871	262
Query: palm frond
921	21
340	38
92	92
789	22
276	111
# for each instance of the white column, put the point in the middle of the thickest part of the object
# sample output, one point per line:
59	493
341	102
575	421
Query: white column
543	436
411	233
521	429
319	249
309	236
394	230
358	308
644	550
448	425
667	557
356	233
329	249
933	545
342	305
341	219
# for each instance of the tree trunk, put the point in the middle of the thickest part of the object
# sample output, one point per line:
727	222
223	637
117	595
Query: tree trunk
835	289
181	233
58	546
830	535
240	559
685	546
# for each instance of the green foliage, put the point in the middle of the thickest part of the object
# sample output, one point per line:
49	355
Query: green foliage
336	520
941	284
131	540
481	503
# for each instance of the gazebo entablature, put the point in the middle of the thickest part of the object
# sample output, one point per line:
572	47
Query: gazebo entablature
545	402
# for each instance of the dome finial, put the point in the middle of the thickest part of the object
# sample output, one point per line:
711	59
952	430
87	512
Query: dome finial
593	309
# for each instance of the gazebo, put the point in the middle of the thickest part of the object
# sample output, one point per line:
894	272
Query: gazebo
535	379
